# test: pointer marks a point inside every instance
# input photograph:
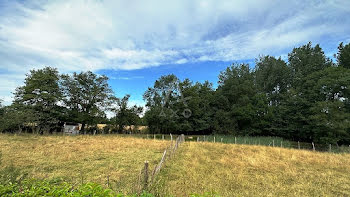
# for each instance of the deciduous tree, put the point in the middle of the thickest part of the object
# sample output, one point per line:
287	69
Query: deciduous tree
87	96
40	95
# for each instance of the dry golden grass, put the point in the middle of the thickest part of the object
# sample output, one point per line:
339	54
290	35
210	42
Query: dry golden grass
72	158
244	170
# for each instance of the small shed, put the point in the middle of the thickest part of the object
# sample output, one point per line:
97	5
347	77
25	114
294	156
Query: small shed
71	128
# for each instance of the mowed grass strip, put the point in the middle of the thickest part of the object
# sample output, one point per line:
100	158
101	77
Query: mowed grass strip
80	159
246	170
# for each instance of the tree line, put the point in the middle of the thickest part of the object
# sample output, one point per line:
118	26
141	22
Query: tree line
47	100
304	98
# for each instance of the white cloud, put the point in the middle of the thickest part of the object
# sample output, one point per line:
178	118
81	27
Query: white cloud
92	35
127	78
181	61
81	35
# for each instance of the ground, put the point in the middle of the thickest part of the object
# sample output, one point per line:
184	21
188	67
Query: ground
247	170
196	168
80	159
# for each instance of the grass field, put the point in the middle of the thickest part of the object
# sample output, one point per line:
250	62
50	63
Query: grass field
197	168
80	159
247	170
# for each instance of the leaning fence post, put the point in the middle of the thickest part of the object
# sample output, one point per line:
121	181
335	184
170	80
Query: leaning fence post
145	178
313	146
108	181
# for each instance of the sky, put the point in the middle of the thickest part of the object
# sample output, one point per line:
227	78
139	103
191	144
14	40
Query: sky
134	42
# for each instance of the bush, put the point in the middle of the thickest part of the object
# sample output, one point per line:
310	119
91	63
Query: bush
58	188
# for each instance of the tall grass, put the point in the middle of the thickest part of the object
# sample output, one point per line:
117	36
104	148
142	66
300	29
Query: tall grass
247	170
109	160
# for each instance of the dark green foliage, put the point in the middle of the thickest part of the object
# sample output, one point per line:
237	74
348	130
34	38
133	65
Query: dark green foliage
303	99
236	89
176	106
38	97
306	60
160	100
240	101
86	97
326	92
126	115
344	55
273	77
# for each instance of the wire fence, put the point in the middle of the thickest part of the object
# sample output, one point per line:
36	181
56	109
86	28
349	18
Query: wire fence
271	141
253	140
147	176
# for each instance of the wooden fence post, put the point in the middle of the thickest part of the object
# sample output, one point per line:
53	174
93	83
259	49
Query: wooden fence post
235	140
330	147
204	138
108	181
197	139
147	135
281	144
221	140
163	137
154	136
273	143
145	178
214	139
298	145
313	146
171	138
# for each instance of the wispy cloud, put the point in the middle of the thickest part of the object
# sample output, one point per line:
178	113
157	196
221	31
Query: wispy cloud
96	35
93	35
127	78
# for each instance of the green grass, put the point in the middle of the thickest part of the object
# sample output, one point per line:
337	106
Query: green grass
250	140
58	188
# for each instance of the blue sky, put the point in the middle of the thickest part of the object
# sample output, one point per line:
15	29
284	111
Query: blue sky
134	42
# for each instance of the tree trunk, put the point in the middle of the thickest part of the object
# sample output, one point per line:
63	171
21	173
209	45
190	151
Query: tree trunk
83	128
